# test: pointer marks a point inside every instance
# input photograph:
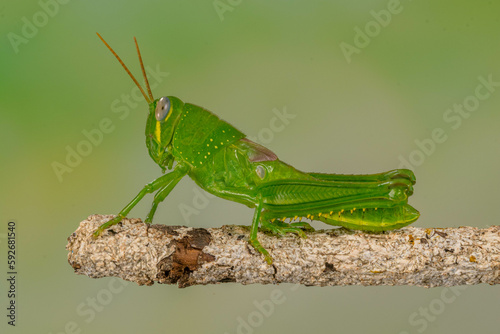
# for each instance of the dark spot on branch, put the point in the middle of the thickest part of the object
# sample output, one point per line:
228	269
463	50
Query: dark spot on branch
228	280
187	258
172	230
329	267
75	265
275	271
250	249
441	234
199	238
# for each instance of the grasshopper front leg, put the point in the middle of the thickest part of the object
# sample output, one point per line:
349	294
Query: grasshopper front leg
166	182
159	197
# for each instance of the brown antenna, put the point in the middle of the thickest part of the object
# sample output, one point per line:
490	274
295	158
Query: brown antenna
143	70
126	69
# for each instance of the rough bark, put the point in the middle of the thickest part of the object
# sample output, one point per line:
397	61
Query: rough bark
191	256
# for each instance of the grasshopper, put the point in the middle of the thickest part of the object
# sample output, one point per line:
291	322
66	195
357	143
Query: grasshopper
222	161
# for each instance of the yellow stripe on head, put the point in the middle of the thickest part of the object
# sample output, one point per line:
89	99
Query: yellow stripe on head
158	132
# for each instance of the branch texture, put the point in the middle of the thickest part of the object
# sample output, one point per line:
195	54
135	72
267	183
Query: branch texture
190	256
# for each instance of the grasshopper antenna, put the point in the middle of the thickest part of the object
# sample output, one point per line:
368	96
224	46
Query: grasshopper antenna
129	73
143	70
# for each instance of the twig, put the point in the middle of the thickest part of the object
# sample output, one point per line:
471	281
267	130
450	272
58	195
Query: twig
191	256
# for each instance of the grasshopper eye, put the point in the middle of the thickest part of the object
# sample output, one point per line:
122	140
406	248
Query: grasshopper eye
162	108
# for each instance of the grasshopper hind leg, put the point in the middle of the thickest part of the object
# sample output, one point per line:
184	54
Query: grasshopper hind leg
390	175
280	227
274	226
254	242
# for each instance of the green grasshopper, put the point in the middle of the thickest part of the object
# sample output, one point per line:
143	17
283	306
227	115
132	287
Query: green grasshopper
222	161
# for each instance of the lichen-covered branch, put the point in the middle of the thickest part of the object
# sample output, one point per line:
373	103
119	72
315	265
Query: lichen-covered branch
190	256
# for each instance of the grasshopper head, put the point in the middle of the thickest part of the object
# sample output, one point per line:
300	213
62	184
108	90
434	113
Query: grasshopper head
164	114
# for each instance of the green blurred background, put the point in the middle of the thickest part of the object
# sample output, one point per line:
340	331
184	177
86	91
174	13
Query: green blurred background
362	113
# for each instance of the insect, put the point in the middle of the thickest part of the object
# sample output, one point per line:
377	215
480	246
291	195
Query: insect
222	161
